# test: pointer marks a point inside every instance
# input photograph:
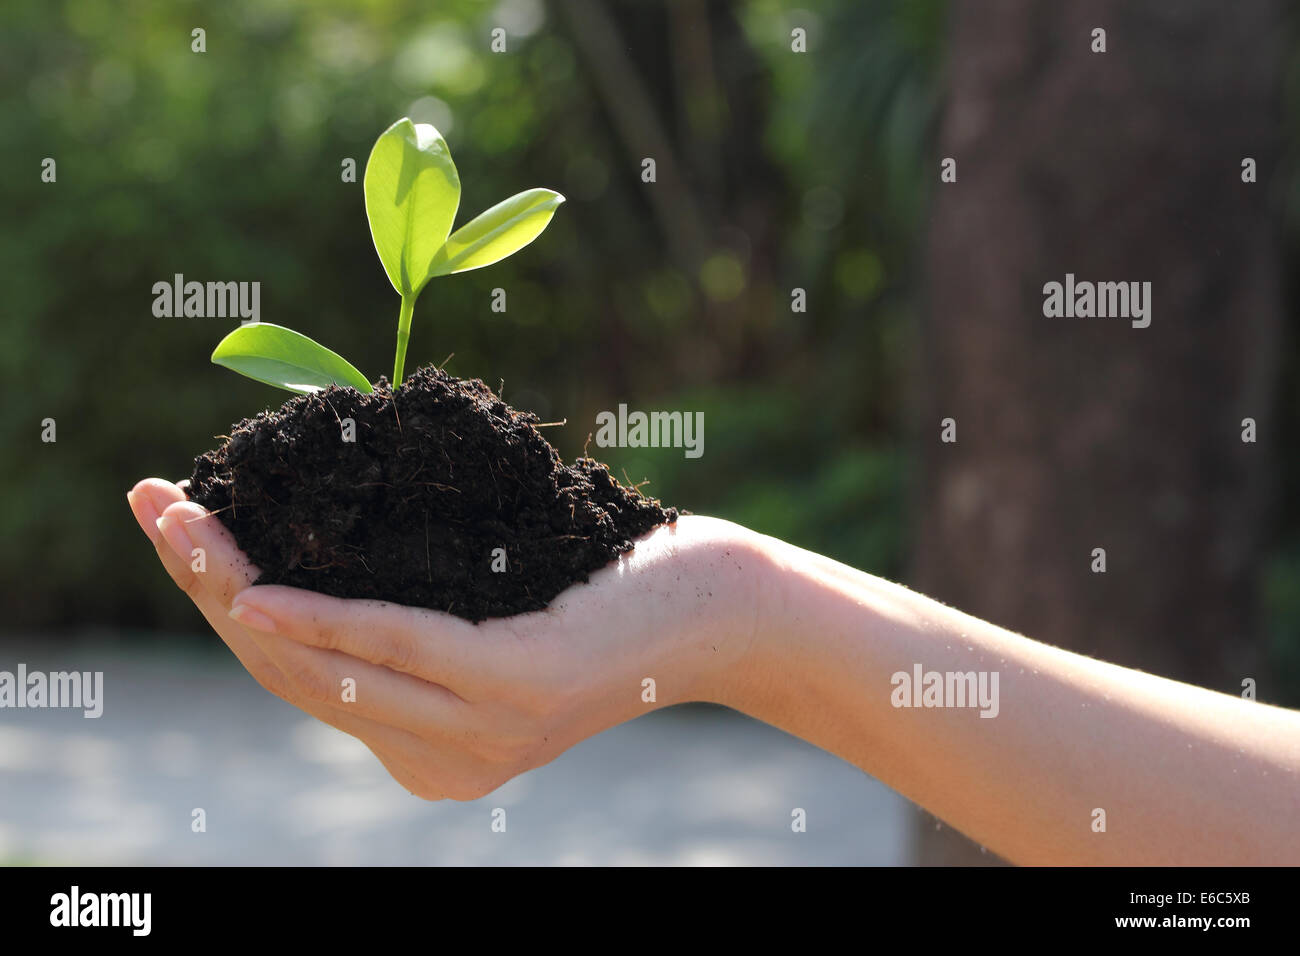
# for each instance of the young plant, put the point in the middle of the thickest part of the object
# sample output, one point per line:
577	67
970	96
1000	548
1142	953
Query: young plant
412	194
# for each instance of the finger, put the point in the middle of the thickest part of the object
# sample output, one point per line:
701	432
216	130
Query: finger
180	569
396	769
395	751
430	711
146	498
431	645
398	754
447	759
191	530
149	499
183	572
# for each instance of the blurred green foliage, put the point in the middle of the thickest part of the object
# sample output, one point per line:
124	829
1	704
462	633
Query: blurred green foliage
777	171
226	165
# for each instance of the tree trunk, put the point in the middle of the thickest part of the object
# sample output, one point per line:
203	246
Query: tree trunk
1075	434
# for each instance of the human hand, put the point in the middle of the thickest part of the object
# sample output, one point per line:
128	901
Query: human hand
454	709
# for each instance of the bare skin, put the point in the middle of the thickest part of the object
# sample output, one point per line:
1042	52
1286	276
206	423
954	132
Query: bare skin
714	612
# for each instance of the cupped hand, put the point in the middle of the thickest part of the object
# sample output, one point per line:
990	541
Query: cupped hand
454	709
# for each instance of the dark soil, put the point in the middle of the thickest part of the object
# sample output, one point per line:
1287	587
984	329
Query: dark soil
441	474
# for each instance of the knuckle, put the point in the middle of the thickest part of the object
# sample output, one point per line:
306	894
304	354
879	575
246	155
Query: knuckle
271	681
468	790
541	707
323	634
307	682
191	585
226	589
393	652
510	751
183	577
426	789
528	701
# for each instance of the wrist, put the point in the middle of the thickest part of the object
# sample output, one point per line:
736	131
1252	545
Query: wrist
732	641
806	619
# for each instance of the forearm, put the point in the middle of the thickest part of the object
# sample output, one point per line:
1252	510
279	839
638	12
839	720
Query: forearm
1183	774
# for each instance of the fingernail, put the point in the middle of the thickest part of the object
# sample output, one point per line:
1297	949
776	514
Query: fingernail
174	533
251	617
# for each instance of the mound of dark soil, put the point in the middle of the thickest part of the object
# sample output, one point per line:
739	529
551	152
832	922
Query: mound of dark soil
441	474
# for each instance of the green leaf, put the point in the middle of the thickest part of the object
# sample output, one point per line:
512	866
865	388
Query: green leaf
412	194
285	358
500	231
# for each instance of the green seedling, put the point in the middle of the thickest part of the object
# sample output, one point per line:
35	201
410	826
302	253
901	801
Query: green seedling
412	194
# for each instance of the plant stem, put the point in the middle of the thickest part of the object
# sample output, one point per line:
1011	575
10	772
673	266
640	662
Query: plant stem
403	336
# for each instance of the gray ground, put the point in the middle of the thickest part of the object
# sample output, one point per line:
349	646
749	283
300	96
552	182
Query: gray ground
188	728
